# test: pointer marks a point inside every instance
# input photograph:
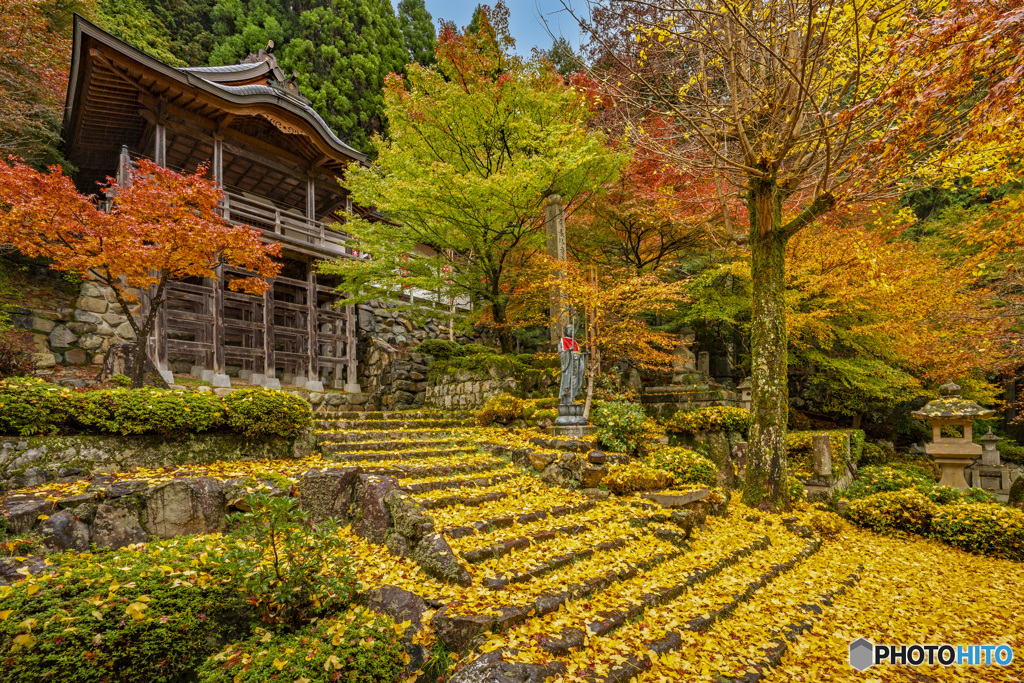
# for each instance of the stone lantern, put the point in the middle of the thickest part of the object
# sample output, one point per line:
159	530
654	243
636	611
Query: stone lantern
989	454
746	390
952	453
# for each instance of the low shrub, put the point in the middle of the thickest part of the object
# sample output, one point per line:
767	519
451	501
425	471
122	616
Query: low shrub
29	405
357	647
711	419
636	477
289	569
619	425
685	466
262	412
981	528
503	409
473	349
826	524
148	411
894	512
876	479
440	349
130	617
876	454
1011	451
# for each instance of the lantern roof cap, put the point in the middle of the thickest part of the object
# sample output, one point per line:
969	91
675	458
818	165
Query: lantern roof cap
951	405
989	437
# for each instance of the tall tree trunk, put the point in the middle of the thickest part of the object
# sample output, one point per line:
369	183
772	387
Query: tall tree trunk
501	326
765	485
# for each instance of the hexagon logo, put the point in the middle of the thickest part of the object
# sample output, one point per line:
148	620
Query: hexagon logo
862	654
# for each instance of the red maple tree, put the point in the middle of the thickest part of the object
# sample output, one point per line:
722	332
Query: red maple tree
160	227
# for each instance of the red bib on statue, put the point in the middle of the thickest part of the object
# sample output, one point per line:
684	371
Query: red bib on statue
569	344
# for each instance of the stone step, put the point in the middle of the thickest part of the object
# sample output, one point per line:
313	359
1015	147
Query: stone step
648	594
483	526
459	483
697	619
427	468
467	499
414	454
370	425
336	437
397	447
801	618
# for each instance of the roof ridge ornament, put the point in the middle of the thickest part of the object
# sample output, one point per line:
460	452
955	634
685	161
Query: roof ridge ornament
950	389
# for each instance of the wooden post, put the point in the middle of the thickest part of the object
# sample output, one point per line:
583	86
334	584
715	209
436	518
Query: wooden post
218	322
269	361
351	381
160	325
218	161
160	145
311	323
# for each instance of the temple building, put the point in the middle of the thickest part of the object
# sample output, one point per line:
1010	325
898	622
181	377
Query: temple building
278	163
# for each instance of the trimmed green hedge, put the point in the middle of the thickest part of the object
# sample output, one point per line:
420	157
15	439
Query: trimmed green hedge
710	419
980	528
33	406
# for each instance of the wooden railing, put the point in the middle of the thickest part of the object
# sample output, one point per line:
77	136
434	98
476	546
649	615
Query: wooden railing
288	226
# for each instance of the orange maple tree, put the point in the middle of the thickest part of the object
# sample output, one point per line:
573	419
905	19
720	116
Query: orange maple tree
160	227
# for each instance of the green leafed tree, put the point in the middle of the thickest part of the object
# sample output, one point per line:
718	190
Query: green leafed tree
477	143
418	30
191	27
563	56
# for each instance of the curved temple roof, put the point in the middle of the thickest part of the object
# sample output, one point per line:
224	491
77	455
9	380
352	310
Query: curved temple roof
237	86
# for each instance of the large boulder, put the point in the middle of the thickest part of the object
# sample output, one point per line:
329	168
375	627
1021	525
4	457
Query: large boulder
372	517
193	505
64	531
327	493
457	631
116	527
407	516
436	558
402	605
1016	498
22	513
492	668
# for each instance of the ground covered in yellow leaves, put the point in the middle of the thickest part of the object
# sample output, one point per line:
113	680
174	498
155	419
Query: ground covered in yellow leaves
622	589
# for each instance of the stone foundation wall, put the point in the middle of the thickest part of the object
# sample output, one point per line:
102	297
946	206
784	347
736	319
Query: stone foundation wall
465	390
392	324
726	449
73	334
33	460
395	379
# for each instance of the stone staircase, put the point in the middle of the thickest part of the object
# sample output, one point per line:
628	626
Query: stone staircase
580	589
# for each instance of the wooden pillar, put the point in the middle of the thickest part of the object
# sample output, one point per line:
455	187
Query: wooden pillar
217	283
218	322
160	325
311	323
160	145
269	361
350	345
218	161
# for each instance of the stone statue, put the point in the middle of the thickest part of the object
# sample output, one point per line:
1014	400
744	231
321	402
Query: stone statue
573	366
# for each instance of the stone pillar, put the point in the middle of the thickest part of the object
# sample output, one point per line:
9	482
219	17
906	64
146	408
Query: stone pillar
704	364
822	455
554	220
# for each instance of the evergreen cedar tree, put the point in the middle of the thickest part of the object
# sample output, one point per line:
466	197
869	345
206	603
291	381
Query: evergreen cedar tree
479	206
418	30
340	50
163	226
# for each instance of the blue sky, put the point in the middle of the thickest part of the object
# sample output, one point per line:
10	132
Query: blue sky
526	19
